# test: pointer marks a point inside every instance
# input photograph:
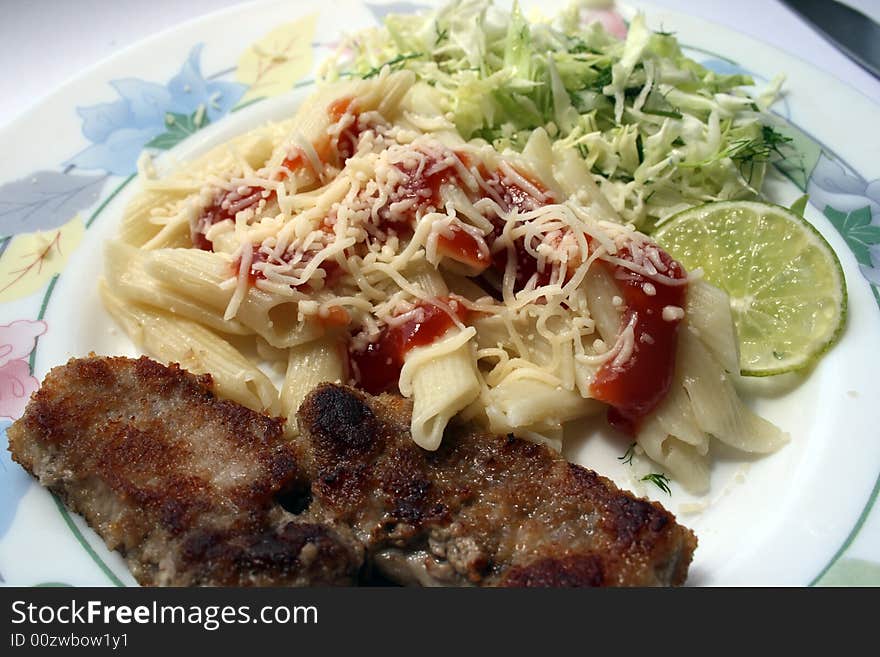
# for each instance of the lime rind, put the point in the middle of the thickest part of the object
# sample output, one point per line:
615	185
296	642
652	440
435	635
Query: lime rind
784	279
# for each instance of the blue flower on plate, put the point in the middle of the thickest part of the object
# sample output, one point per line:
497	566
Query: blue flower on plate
149	114
14	482
852	204
725	67
834	184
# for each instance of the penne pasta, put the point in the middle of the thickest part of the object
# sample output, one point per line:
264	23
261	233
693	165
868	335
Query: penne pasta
523	402
309	364
363	243
441	379
683	461
129	279
717	407
710	319
196	349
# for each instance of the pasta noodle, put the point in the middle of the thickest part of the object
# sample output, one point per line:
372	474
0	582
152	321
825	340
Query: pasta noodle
442	381
364	241
308	365
197	349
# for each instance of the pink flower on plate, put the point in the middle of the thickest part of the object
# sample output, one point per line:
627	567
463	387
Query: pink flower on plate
609	18
17	341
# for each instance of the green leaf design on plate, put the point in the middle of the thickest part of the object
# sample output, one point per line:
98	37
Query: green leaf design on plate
801	155
180	126
852	572
799	206
857	230
52	585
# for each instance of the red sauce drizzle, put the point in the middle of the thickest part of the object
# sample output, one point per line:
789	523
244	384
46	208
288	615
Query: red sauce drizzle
332	270
377	368
636	387
221	209
424	190
336	317
348	138
514	197
463	247
345	148
296	160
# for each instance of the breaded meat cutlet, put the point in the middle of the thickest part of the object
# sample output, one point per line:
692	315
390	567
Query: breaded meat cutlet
183	484
483	509
190	489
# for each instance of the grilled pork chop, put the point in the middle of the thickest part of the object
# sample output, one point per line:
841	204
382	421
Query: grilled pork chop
180	482
192	490
483	509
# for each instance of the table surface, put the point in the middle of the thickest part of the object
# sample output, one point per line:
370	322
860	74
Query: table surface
46	42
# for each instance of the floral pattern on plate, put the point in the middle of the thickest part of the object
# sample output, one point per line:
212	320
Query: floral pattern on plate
149	114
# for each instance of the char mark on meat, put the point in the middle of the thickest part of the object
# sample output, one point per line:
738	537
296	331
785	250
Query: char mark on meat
483	509
194	490
183	484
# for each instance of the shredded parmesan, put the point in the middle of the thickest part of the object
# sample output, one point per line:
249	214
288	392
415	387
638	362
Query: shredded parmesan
343	218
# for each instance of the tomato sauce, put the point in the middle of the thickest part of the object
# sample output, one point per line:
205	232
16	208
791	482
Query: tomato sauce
335	317
425	188
514	197
377	367
234	202
423	191
295	161
225	206
635	388
346	144
332	270
463	247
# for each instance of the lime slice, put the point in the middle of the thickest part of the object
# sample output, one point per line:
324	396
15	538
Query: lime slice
786	286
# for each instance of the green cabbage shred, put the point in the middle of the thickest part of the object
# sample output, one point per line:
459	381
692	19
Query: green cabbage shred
659	132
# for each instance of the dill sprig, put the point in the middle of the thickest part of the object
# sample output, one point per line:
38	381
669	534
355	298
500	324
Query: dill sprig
748	153
760	148
671	114
391	63
627	457
660	480
602	79
578	46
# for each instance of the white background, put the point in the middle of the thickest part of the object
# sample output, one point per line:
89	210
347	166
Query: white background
43	43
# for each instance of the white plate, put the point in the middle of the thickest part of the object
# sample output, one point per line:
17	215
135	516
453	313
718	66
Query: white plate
798	517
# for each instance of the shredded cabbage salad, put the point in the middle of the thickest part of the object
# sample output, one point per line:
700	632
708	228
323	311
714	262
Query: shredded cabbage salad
660	132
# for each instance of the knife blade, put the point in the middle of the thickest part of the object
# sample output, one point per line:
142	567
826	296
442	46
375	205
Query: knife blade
849	29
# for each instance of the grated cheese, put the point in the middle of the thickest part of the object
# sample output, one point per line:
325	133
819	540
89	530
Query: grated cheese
351	237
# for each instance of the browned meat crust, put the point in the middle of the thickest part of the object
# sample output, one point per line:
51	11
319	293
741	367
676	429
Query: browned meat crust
181	483
189	488
482	509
